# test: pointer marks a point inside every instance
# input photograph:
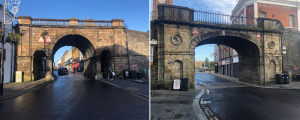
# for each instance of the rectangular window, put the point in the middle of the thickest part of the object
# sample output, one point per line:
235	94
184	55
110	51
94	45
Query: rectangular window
292	21
263	14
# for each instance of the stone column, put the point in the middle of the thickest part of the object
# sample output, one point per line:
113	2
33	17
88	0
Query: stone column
73	21
49	65
117	22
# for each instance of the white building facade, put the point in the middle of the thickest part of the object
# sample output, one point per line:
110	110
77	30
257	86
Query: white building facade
9	50
68	60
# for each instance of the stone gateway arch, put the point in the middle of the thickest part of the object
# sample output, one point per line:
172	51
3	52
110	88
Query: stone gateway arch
94	38
176	46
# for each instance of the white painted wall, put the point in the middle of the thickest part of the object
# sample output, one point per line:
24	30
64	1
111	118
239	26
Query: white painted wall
9	56
8	63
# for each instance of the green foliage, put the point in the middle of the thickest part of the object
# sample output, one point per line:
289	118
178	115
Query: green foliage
13	37
206	62
212	64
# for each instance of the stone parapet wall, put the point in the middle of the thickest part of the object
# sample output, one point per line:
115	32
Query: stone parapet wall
138	50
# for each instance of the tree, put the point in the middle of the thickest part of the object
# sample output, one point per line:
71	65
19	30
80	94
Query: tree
212	64
206	62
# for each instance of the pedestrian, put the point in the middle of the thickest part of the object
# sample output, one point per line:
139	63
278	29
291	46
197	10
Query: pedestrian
110	70
74	69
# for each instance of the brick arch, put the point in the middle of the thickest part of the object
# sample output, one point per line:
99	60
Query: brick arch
73	32
67	34
200	38
105	48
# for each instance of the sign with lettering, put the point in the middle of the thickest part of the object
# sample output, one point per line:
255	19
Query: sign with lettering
153	42
296	68
151	54
134	66
176	84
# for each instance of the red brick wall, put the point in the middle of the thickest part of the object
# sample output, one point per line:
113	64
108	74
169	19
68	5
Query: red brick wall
250	14
238	17
281	13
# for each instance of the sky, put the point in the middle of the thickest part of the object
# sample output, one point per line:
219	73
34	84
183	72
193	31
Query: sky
216	6
135	13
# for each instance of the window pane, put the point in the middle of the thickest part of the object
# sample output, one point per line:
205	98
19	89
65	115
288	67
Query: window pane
292	21
263	14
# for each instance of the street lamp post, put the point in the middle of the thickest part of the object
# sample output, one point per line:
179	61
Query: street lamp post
12	9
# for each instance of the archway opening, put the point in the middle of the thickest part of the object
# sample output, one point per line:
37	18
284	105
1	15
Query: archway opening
106	62
226	62
39	65
78	54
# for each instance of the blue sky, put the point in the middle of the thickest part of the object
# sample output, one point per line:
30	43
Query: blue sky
135	13
217	6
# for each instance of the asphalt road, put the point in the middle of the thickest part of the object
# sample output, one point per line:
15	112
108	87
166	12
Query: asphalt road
76	97
232	101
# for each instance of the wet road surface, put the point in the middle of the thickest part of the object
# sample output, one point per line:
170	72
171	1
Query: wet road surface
76	97
232	101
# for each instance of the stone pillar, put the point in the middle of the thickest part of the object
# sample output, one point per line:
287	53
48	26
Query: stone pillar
24	19
24	64
73	21
49	63
117	22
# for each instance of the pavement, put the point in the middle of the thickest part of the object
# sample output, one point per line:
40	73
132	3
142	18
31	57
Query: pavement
11	90
291	85
179	105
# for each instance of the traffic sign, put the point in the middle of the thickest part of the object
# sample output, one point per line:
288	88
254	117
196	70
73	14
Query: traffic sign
195	31
41	39
258	35
48	40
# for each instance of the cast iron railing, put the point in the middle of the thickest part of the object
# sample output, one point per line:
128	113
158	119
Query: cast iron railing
217	18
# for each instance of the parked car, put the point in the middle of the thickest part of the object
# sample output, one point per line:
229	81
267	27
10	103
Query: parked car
63	70
201	70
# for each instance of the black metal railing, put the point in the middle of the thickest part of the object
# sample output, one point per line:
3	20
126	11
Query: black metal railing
218	18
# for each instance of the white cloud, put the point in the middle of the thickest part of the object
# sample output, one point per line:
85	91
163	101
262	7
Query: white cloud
219	6
225	6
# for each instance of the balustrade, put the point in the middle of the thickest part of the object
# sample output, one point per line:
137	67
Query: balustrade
62	22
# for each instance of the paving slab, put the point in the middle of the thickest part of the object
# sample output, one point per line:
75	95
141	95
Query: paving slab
170	105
